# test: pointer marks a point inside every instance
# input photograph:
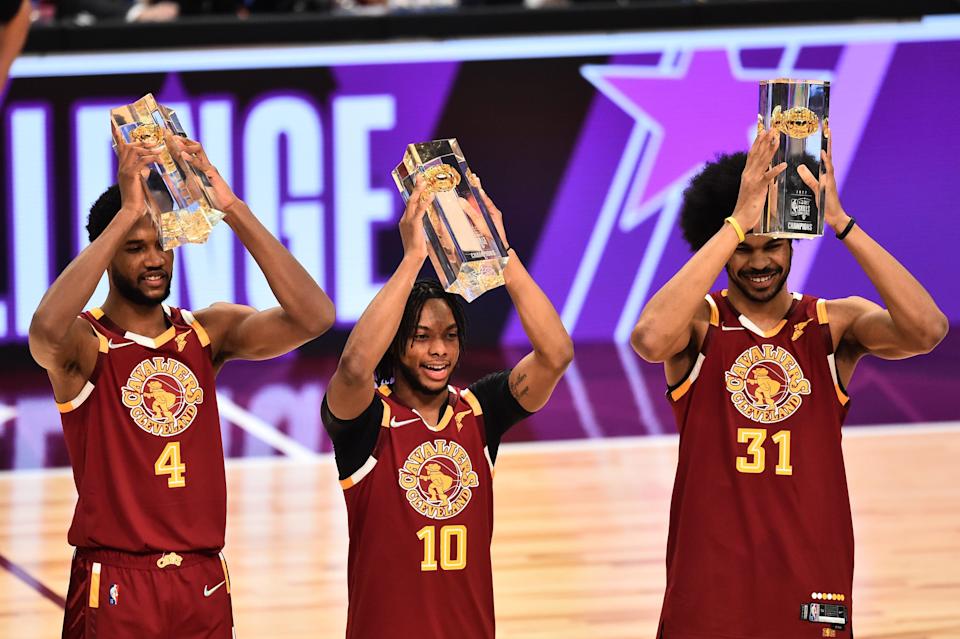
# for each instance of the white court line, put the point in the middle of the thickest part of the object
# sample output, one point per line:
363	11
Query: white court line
262	430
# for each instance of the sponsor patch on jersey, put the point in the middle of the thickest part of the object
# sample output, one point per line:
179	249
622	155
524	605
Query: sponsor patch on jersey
437	477
766	384
162	395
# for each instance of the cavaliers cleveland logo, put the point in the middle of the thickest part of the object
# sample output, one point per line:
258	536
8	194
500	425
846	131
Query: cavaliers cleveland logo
162	395
766	384
437	478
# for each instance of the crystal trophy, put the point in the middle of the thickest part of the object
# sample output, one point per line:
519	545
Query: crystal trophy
464	246
799	110
179	197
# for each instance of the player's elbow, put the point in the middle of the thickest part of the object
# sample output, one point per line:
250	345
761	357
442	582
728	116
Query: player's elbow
648	343
561	355
933	332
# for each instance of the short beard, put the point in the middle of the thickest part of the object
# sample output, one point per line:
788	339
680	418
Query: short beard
415	384
128	290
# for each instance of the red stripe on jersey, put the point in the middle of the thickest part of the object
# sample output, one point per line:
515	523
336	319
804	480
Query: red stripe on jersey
760	517
420	516
144	442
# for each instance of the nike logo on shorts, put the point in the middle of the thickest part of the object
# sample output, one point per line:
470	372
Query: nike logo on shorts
209	591
111	344
394	423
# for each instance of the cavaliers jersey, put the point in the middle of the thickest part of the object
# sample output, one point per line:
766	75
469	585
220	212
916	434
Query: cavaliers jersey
144	440
761	539
420	517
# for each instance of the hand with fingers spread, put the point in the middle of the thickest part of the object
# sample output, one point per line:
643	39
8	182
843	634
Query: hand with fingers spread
756	179
495	213
134	161
833	213
411	222
192	152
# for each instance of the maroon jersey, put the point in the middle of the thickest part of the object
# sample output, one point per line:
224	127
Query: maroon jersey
144	440
761	539
420	516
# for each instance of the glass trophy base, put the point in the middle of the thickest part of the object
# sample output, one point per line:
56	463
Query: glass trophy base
477	277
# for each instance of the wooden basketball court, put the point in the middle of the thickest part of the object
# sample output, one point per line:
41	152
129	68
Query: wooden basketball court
578	550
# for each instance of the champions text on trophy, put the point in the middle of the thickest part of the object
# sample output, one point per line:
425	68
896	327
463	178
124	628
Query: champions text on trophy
463	244
799	110
178	196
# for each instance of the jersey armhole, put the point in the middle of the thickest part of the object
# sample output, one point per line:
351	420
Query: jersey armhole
678	390
371	462
824	322
103	347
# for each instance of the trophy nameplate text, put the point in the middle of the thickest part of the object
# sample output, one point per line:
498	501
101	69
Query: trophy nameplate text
462	241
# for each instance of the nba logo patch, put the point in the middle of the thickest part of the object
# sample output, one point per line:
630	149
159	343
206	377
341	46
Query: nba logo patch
114	594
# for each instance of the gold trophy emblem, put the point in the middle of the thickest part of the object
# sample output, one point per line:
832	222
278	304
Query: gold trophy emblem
179	197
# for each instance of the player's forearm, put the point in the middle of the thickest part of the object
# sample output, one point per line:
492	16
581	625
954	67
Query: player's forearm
71	291
912	310
373	332
668	316
301	298
539	318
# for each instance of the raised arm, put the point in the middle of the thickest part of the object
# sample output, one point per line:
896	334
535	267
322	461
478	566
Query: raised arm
351	387
667	323
910	324
534	377
59	341
242	332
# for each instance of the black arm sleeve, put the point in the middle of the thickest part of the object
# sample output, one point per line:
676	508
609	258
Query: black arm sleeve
354	440
501	410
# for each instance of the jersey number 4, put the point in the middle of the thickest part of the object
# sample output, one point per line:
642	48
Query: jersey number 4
453	548
169	463
756	459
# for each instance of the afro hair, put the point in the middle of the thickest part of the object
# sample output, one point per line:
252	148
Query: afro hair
710	198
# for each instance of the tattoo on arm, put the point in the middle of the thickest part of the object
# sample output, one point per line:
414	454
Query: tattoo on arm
517	387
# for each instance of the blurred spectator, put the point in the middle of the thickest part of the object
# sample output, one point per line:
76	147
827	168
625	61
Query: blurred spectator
87	11
14	24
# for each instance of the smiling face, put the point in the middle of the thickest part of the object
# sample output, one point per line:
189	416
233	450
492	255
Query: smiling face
432	352
140	270
760	266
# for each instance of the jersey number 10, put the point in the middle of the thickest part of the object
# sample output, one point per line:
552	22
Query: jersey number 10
453	548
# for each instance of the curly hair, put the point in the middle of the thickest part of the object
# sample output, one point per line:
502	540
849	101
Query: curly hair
710	197
103	211
422	291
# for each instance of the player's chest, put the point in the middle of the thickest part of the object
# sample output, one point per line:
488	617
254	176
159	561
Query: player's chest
437	475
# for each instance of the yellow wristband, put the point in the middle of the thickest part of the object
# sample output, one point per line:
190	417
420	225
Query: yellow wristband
736	227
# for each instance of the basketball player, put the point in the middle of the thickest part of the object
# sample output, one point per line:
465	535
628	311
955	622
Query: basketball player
416	455
761	539
134	382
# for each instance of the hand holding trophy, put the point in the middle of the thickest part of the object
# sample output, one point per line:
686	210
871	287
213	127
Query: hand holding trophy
179	195
463	243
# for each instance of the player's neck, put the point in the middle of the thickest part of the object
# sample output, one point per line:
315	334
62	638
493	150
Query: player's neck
766	314
428	406
149	321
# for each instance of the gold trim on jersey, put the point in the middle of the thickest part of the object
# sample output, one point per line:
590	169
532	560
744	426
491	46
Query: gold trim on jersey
385	390
94	599
385	420
685	385
226	573
472	401
822	311
196	326
96	312
714	311
358	476
73	404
